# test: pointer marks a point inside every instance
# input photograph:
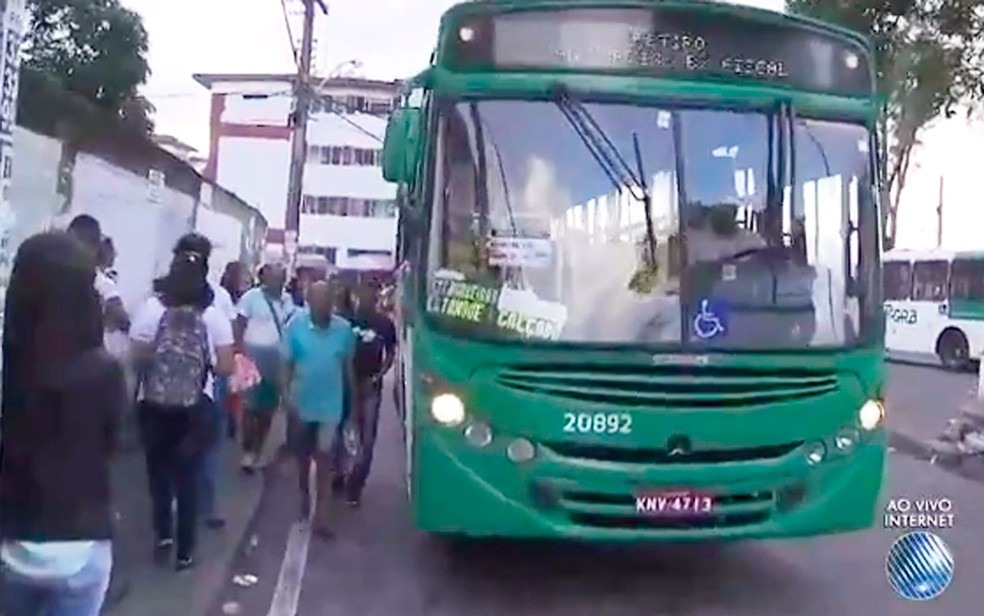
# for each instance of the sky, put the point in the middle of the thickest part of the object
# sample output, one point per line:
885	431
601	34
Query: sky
390	38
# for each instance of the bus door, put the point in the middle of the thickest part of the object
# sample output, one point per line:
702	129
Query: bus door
897	276
929	306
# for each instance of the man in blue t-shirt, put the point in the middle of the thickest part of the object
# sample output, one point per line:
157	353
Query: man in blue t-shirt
318	351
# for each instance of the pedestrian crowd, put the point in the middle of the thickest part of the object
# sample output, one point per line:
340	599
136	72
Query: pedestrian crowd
192	368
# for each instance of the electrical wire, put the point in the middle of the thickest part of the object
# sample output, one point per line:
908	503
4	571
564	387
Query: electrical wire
344	116
356	126
290	32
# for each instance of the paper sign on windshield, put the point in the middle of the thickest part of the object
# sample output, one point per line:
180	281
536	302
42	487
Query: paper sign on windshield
520	252
526	314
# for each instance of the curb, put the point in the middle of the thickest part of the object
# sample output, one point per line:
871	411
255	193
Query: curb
211	580
968	467
908	445
204	586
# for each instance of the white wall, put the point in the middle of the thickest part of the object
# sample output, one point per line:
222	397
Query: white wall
257	171
33	194
348	232
226	234
144	231
254	109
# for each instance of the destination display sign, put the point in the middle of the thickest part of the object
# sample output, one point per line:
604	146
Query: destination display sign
660	42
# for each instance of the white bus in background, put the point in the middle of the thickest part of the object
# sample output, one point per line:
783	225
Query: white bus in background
934	305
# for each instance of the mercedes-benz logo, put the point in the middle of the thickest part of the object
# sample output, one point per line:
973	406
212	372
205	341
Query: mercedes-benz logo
677	445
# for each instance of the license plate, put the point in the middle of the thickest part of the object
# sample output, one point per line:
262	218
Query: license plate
674	503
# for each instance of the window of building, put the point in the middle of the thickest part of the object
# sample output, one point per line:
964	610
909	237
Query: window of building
348	206
327	252
356	104
929	281
344	156
967	279
383	208
308	204
380	107
898	280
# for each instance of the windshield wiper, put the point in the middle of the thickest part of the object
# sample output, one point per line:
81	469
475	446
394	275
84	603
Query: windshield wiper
610	160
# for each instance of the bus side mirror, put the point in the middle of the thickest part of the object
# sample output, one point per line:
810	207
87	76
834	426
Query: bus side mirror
401	146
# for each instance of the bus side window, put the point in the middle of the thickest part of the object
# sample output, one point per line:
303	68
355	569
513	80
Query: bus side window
929	281
898	280
967	279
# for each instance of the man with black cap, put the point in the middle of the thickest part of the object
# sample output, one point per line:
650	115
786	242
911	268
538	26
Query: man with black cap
87	230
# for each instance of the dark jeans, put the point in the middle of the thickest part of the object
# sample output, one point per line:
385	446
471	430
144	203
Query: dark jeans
337	455
368	399
174	442
212	457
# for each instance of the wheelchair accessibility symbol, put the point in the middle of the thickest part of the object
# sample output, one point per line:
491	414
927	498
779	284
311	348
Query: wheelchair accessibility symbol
710	321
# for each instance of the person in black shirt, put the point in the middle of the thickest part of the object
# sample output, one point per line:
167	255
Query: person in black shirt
63	397
374	353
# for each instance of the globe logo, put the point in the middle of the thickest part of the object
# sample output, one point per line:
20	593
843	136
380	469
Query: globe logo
919	566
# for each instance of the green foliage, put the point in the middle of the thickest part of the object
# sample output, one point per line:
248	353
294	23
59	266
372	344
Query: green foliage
95	48
929	62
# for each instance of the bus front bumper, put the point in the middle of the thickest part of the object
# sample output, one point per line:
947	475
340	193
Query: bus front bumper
459	489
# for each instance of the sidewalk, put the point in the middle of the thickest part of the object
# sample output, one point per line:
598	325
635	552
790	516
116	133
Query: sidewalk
139	587
922	402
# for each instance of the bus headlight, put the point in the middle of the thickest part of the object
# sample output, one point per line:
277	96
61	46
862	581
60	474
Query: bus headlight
871	414
448	409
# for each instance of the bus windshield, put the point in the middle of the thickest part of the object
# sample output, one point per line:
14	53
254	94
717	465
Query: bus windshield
531	238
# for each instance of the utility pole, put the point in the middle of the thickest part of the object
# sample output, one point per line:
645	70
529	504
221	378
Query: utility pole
939	217
302	107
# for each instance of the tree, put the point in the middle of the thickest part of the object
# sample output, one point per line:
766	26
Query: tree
928	58
95	48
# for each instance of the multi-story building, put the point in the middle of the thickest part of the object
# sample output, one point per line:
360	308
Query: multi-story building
348	212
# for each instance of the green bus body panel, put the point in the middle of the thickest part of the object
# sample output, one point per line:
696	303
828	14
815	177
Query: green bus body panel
461	489
969	309
583	487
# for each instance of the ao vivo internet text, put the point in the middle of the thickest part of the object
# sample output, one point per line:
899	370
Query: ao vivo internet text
919	513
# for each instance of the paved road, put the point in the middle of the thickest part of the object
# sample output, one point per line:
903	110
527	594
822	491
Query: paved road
380	566
922	398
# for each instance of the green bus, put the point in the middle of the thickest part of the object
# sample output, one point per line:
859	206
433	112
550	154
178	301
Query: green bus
625	312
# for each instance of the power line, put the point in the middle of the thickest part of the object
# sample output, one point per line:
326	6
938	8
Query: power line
356	126
290	31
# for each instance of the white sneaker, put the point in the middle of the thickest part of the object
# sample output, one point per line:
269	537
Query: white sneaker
249	461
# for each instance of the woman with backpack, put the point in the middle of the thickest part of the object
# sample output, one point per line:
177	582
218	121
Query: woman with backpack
63	396
180	342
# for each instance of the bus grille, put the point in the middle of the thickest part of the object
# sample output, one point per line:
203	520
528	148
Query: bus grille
669	386
617	511
603	453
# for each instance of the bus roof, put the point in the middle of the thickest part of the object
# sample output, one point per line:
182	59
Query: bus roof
934	254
